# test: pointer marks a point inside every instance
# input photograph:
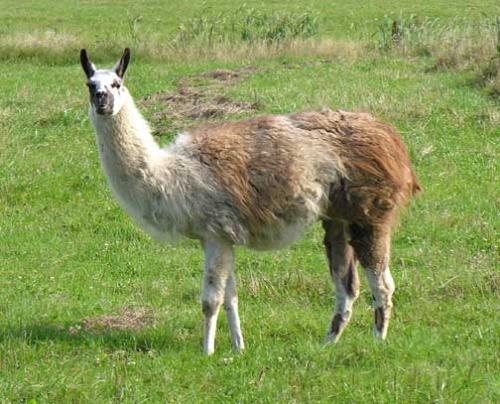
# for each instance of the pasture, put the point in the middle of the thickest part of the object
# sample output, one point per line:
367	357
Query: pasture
92	310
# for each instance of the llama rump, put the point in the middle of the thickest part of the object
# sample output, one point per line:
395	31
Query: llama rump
260	183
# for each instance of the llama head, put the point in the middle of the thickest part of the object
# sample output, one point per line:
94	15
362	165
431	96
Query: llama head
105	86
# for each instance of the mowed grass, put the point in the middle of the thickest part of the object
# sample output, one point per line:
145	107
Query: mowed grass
69	256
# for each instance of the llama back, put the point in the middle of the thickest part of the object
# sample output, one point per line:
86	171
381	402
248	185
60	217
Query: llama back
378	176
277	176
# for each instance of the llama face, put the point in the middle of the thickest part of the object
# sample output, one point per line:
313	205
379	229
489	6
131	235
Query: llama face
105	90
105	86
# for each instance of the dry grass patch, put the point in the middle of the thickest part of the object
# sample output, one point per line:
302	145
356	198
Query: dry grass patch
39	40
190	104
257	51
130	319
229	76
55	47
175	110
49	45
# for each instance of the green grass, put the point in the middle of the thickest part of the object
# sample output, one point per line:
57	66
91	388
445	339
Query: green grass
68	253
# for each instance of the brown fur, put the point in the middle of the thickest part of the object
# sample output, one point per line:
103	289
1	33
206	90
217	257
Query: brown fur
371	244
261	183
341	257
379	318
258	163
336	323
378	173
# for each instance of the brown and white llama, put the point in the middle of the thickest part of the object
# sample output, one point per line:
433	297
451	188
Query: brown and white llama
260	183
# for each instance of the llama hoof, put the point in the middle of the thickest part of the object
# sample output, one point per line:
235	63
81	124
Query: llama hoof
379	335
331	339
238	348
381	323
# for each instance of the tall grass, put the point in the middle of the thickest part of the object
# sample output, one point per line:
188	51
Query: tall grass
249	33
210	34
460	44
245	24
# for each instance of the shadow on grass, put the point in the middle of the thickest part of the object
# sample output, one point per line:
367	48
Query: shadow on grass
148	340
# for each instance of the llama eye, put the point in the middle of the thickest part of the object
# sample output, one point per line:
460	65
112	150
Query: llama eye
91	86
116	85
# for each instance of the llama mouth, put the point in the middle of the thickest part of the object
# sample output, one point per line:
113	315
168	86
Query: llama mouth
103	110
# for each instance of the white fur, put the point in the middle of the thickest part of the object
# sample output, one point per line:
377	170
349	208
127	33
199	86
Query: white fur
219	287
103	80
382	288
138	170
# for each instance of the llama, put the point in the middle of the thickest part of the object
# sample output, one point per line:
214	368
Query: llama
259	183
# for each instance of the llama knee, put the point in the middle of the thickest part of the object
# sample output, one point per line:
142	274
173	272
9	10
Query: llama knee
211	301
388	285
210	307
382	286
231	303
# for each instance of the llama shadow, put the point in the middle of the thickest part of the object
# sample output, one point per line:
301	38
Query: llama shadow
146	341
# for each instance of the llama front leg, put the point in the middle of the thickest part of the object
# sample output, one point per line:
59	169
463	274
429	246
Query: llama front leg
219	261
342	265
382	287
372	246
233	318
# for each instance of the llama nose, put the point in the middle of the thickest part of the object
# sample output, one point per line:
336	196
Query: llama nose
101	97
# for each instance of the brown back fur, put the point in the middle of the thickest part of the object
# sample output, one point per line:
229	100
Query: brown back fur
378	172
268	165
253	163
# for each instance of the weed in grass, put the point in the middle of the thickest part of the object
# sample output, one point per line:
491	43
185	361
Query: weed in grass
405	32
133	25
489	71
456	43
489	76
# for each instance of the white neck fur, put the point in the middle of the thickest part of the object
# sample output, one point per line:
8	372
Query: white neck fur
125	133
153	185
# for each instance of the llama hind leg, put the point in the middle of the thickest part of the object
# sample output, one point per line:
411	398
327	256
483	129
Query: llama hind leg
219	262
342	265
233	318
372	246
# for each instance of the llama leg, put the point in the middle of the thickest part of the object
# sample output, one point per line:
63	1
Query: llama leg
231	307
219	259
342	264
372	246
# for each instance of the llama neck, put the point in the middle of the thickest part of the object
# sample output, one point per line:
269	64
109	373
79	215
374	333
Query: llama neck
130	159
124	140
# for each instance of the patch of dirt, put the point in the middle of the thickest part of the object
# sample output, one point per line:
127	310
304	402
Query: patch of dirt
229	75
130	319
194	102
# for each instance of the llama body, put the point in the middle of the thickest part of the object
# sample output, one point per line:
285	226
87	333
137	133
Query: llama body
195	199
260	183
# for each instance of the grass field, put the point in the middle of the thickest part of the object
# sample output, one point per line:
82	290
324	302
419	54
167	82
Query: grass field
93	311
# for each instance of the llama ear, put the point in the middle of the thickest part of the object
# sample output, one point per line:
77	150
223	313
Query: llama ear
88	66
121	67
